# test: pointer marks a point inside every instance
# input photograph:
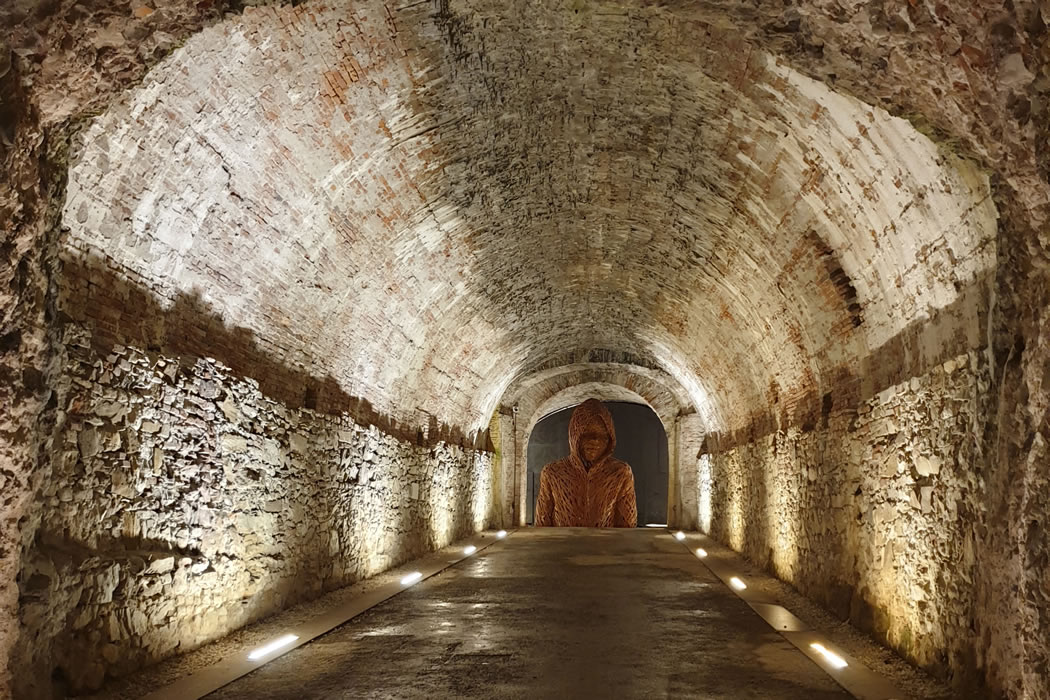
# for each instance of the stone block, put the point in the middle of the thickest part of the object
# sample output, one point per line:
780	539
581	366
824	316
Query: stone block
162	565
927	466
233	444
299	443
89	443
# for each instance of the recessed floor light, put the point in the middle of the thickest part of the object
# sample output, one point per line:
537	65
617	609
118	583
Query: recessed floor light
272	646
501	534
470	550
679	535
737	583
701	552
411	578
833	659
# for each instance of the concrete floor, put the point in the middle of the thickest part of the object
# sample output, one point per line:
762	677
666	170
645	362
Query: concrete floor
553	613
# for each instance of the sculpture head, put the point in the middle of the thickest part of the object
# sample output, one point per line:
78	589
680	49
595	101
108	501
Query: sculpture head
591	434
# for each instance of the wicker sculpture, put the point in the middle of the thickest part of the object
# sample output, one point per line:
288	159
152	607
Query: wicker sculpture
589	488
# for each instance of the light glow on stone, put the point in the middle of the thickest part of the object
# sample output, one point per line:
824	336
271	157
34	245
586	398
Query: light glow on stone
833	659
701	552
272	646
501	534
470	550
411	578
737	583
679	535
705	486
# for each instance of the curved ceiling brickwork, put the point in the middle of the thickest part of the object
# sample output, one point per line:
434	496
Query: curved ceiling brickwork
542	393
455	196
578	393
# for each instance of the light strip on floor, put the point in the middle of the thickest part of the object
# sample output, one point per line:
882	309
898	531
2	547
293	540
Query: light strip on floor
854	676
656	524
213	676
411	578
833	659
470	550
272	646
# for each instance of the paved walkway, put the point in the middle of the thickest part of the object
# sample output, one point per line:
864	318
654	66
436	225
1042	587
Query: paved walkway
553	613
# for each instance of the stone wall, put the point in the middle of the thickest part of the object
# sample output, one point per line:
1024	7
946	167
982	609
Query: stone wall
687	437
184	503
876	512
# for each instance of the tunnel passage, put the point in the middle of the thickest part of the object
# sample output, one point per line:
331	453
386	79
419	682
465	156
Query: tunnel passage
635	616
276	281
640	442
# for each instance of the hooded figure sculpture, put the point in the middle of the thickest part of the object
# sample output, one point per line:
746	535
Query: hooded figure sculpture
589	488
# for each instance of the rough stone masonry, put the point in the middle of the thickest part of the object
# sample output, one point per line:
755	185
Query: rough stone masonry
244	247
183	504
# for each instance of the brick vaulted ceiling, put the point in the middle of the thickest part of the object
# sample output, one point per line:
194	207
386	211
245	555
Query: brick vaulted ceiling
425	204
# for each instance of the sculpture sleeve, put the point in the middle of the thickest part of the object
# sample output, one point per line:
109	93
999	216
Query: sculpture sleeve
544	515
626	505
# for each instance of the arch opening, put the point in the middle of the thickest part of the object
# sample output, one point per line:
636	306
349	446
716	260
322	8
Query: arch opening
641	442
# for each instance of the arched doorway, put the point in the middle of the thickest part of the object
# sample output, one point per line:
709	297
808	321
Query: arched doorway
640	441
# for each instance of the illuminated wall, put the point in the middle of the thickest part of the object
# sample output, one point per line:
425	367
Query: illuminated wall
185	503
875	512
